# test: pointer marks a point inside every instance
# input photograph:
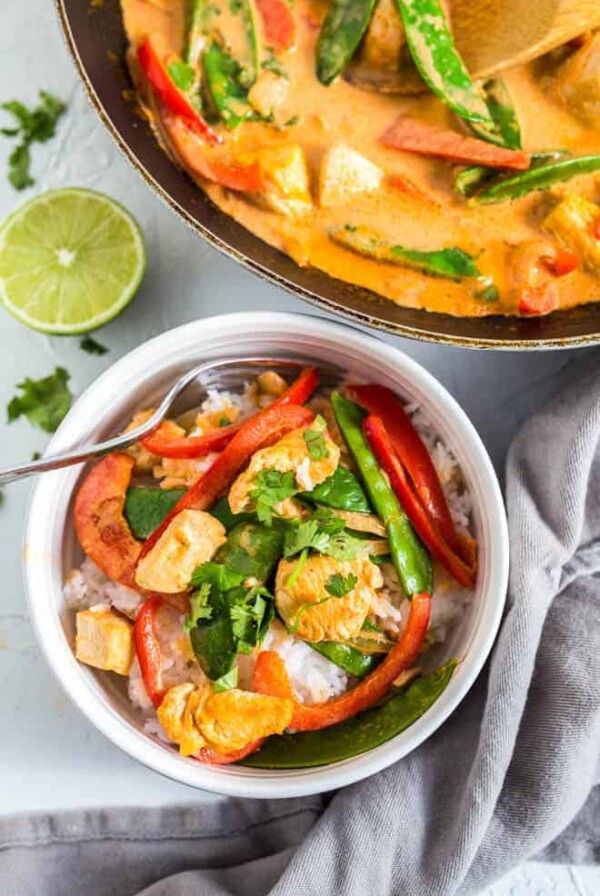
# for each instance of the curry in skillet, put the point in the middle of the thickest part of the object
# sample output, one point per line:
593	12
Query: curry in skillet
462	197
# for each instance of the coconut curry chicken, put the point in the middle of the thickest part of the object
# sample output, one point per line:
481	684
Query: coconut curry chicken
351	136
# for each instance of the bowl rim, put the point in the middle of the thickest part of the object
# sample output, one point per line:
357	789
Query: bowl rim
41	584
433	333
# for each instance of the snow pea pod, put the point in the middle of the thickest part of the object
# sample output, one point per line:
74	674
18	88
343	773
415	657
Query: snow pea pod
470	180
252	550
222	80
341	491
347	657
341	32
364	732
410	557
542	178
222	512
434	53
451	263
196	22
506	131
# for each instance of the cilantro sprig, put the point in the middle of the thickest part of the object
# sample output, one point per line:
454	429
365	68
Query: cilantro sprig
271	488
35	125
91	346
338	585
44	402
315	440
324	533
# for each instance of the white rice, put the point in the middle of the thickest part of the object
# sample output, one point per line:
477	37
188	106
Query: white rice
314	678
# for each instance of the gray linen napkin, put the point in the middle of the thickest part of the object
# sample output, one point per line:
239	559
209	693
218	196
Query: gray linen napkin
514	768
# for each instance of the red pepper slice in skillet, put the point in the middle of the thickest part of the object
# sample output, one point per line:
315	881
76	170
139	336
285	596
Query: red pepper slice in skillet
211	757
101	528
169	94
163	443
264	428
270	676
383	450
279	24
414	457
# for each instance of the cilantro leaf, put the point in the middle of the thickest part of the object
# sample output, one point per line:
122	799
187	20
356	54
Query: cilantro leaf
227	681
323	532
182	75
300	536
199	607
35	125
251	614
88	344
345	546
315	441
339	585
271	488
44	402
217	576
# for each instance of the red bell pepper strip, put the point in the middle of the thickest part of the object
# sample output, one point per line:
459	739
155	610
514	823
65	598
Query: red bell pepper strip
147	648
258	431
101	528
538	300
169	94
410	135
561	261
164	444
270	676
383	450
279	24
199	159
414	456
211	757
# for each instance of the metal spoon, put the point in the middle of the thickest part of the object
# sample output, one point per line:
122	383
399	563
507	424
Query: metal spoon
188	392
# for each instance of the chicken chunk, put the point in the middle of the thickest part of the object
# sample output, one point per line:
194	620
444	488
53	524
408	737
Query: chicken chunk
344	173
268	92
291	453
191	538
104	639
287	182
195	717
316	615
578	82
574	222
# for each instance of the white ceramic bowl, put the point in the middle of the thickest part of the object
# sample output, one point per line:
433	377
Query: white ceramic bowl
51	549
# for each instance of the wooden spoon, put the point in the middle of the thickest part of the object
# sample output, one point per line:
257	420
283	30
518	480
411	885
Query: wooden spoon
491	35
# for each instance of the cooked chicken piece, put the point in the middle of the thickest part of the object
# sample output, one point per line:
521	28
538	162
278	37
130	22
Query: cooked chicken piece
575	222
194	717
578	82
311	611
104	639
363	522
191	538
234	718
270	383
175	472
287	181
288	454
268	92
344	173
176	715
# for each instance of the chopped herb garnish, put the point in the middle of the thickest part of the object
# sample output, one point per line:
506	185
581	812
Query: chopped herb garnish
182	75
339	585
251	614
36	455
199	607
226	682
315	441
92	347
271	488
224	421
217	575
295	573
44	402
35	125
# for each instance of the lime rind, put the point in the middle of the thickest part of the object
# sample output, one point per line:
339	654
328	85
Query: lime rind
70	261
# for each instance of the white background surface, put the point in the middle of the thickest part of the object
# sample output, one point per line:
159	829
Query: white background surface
50	756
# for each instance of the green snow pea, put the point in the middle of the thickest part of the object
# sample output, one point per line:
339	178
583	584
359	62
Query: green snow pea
341	491
363	732
341	32
470	180
253	550
451	263
222	82
410	557
222	512
542	178
506	131
434	53
353	661
146	508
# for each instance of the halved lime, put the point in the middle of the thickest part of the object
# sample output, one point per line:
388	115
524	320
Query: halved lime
70	260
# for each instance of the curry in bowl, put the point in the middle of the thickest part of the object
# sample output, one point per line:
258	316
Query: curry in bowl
350	136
